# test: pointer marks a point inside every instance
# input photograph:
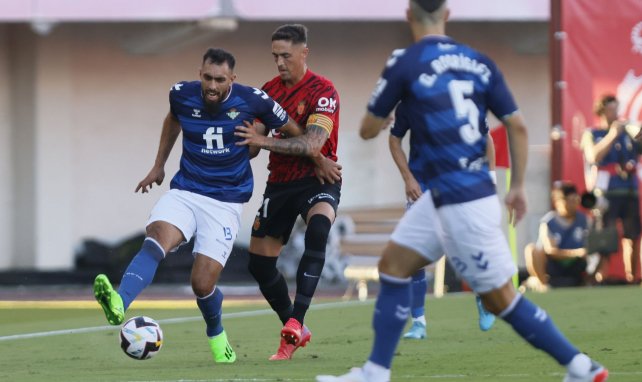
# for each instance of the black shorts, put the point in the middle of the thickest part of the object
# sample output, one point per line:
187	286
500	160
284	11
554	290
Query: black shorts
284	202
564	274
627	209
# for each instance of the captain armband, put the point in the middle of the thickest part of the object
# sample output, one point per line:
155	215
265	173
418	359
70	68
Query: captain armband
322	121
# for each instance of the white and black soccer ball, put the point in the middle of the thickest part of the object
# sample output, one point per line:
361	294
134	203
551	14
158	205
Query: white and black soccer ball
141	337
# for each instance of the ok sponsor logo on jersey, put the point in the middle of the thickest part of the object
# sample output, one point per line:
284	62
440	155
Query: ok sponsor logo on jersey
325	104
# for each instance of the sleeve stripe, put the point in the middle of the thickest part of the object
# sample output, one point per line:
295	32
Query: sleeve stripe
323	121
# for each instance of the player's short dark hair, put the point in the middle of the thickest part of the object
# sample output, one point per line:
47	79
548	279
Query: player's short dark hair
219	56
429	5
295	33
600	105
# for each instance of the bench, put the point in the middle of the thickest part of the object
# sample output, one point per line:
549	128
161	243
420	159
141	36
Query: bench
363	244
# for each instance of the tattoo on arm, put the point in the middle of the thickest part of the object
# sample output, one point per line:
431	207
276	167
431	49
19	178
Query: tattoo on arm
304	145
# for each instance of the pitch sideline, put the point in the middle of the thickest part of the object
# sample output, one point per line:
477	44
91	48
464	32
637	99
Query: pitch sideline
177	320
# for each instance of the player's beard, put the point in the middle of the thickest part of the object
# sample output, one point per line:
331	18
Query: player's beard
212	107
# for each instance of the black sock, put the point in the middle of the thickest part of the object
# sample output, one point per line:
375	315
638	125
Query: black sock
272	284
311	264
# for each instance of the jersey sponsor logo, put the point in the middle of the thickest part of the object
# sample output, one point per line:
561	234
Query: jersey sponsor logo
233	113
279	112
196	113
212	136
326	104
379	88
300	108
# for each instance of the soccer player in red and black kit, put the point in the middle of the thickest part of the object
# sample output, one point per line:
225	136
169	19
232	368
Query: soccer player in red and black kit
304	180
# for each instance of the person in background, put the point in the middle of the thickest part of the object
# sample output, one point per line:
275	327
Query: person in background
611	149
558	258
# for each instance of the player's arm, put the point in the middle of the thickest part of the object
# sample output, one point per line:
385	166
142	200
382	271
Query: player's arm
490	156
308	144
169	134
551	247
371	125
413	189
518	144
595	152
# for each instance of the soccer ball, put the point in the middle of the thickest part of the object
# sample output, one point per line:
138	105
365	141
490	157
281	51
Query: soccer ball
141	337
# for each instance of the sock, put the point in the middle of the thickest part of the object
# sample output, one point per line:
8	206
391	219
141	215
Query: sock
391	312
580	365
140	271
419	288
420	319
311	264
272	284
535	326
210	307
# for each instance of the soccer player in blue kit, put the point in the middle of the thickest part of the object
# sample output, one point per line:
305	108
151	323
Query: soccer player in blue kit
416	183
448	88
207	193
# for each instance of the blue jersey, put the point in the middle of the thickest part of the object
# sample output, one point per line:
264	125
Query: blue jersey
211	163
565	235
415	161
447	89
624	150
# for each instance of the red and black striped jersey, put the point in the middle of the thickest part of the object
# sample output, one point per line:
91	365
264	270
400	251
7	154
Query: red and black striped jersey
312	100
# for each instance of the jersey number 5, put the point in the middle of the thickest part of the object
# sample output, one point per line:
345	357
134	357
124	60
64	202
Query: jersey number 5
465	108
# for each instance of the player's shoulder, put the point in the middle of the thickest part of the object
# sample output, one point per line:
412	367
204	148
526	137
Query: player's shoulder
185	88
276	81
319	79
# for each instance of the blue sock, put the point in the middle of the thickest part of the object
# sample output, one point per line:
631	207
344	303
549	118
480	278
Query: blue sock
390	315
210	307
535	326
140	272
419	288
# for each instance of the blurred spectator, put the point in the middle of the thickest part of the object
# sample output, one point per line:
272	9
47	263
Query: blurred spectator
558	258
613	153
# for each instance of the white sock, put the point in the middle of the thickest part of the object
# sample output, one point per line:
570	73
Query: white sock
580	365
421	319
376	373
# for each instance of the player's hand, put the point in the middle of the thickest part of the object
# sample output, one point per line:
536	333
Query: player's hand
413	190
516	203
156	175
327	170
251	136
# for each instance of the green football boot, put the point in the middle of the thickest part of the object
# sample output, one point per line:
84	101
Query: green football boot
109	300
222	351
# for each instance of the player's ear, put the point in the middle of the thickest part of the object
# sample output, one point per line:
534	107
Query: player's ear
447	14
408	15
233	77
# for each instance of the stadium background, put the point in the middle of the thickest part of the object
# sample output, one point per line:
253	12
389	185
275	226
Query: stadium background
85	90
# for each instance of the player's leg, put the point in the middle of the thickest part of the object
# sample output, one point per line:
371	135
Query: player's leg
631	224
534	325
212	248
263	256
209	298
414	244
419	287
161	236
319	222
490	272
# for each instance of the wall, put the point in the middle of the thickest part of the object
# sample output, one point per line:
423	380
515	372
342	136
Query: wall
85	118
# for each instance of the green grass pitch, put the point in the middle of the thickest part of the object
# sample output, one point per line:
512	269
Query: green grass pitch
605	322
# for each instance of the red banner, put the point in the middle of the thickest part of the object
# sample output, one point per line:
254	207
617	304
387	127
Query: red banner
601	52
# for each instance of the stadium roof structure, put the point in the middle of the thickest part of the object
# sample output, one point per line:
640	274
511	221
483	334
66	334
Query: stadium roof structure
57	11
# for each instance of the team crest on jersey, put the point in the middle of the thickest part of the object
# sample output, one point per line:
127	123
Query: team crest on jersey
300	108
233	113
196	113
